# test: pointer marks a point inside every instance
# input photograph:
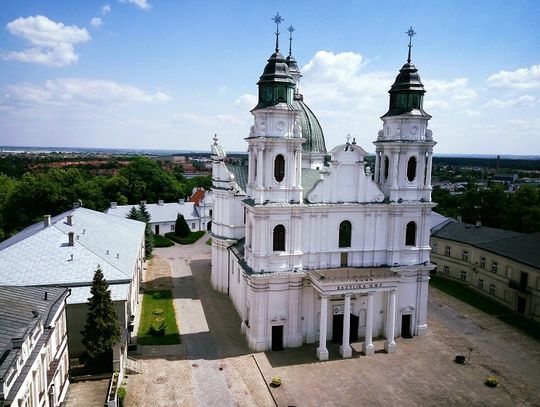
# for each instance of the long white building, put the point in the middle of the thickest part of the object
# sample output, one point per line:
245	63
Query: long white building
312	246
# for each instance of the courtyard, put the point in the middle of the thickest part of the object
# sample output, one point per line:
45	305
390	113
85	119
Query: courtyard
213	365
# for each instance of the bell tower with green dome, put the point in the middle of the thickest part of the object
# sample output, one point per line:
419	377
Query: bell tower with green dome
275	140
404	147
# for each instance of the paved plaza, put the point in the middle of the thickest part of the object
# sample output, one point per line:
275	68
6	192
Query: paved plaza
214	367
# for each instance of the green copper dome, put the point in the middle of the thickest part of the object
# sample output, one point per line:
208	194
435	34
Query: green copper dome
311	128
407	93
276	85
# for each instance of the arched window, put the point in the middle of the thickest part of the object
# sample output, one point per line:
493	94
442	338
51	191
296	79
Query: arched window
279	168
345	234
279	238
411	169
410	234
386	167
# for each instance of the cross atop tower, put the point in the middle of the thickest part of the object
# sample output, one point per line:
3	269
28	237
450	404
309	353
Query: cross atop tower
291	30
278	20
410	33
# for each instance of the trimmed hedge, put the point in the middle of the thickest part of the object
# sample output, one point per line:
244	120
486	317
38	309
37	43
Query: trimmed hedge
192	238
162	241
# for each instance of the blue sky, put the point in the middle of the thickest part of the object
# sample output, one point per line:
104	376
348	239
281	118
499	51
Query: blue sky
169	74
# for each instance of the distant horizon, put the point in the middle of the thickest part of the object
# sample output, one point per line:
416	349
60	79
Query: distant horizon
150	73
71	149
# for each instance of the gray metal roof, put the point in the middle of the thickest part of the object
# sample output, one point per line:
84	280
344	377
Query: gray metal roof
438	221
240	173
521	247
159	213
471	234
17	319
524	248
42	255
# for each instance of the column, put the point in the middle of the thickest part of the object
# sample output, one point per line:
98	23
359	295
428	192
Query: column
377	165
428	172
368	347
322	352
260	174
389	344
345	349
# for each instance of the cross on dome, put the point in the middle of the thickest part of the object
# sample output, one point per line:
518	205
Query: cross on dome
410	32
291	30
278	20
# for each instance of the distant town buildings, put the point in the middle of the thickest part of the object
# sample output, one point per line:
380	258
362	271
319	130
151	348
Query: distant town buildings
34	361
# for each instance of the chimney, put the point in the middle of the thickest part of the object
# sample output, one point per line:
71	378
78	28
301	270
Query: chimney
114	205
47	220
181	201
478	223
143	202
459	218
76	205
71	240
160	202
70	220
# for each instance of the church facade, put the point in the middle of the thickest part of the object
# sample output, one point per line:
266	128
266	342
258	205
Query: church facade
312	246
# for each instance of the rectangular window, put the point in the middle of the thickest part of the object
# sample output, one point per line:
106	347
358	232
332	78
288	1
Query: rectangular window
447	251
193	226
465	255
434	247
480	283
494	267
172	228
483	262
446	270
463	275
492	289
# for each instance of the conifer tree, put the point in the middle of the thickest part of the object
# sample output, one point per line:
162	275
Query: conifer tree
144	212
135	214
102	329
181	228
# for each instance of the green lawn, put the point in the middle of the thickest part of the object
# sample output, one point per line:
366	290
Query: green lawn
192	238
157	307
472	297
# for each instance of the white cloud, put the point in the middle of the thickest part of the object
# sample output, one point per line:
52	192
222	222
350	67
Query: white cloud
523	78
448	94
246	101
80	92
96	22
522	101
215	120
53	43
142	4
106	9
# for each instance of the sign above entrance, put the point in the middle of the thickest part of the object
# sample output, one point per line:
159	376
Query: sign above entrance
339	309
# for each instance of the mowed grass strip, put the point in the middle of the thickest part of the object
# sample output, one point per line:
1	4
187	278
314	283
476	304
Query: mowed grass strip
157	307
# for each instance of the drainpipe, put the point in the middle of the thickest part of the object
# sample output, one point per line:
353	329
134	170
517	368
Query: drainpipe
228	268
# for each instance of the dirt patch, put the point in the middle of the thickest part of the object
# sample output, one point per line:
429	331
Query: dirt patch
158	275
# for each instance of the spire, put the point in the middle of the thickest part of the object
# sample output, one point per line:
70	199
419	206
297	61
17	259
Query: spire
277	19
410	33
291	30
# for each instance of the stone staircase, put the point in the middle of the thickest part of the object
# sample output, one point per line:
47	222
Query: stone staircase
133	365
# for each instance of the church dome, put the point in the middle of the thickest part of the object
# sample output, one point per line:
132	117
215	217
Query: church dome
311	128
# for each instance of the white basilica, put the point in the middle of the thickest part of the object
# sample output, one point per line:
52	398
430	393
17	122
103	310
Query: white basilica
311	245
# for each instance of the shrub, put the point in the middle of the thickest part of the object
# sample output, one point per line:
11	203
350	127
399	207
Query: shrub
162	241
276	381
192	238
122	393
157	330
157	295
491	381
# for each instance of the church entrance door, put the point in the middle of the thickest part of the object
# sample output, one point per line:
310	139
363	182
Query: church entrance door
406	326
337	329
277	337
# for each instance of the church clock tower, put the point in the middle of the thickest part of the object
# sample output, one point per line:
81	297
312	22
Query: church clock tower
404	146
